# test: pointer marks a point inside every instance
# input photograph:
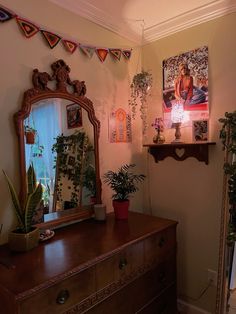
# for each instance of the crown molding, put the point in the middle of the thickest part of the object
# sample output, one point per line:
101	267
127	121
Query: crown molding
181	22
189	19
98	16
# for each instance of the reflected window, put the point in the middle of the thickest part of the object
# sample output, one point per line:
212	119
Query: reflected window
44	121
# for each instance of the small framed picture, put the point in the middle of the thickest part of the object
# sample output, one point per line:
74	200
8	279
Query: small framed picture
200	130
74	116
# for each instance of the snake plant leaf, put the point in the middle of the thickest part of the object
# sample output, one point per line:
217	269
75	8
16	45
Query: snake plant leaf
32	202
15	201
31	179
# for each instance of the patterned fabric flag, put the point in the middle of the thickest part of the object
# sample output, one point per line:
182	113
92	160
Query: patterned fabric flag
52	39
5	15
70	45
87	50
126	53
116	53
28	28
102	53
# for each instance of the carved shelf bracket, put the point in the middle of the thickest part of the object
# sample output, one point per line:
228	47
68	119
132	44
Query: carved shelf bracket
180	151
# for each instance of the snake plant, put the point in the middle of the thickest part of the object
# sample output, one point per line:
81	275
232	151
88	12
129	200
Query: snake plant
24	212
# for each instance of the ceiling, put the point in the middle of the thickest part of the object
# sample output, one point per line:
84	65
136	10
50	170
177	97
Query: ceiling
144	21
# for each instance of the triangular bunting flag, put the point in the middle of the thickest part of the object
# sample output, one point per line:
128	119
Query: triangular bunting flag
5	15
52	39
127	53
87	50
70	45
28	28
102	53
116	53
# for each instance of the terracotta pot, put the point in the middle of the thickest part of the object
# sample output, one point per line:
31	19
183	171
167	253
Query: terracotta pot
22	242
121	209
30	137
92	200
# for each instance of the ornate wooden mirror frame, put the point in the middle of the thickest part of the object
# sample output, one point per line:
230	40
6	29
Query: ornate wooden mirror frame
66	89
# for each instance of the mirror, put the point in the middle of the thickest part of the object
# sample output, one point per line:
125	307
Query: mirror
226	283
58	133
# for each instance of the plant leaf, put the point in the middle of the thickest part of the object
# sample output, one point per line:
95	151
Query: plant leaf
15	201
32	202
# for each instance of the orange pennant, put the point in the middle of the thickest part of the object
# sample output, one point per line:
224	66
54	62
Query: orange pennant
102	53
28	28
70	45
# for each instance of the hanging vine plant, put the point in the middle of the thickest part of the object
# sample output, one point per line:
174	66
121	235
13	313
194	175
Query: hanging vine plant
228	137
140	87
71	155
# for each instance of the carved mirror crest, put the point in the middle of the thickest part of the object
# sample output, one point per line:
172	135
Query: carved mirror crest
58	134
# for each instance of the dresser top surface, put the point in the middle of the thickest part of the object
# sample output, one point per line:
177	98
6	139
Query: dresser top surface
73	249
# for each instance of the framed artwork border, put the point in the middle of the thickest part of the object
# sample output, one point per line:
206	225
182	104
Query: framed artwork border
200	130
73	116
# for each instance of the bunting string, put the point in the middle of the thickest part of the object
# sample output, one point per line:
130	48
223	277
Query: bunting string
30	29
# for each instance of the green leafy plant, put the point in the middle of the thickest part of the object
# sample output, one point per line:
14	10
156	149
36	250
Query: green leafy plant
25	212
89	179
123	182
140	86
228	137
71	152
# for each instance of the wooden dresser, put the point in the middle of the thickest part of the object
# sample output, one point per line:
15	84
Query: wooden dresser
114	267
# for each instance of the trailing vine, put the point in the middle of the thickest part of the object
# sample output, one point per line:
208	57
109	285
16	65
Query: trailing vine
72	153
141	84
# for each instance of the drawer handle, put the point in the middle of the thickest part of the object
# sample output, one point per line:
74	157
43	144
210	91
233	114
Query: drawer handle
161	242
123	263
62	296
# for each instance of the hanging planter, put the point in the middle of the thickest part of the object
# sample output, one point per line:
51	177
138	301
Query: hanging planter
140	87
30	135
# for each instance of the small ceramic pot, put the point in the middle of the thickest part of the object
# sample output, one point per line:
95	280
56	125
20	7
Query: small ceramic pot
99	212
22	242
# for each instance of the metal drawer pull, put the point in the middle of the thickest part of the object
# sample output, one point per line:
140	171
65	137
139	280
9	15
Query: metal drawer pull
161	242
62	297
123	263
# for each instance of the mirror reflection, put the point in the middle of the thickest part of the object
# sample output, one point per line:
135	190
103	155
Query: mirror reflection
59	143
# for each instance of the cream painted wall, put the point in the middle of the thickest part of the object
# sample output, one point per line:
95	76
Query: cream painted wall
107	86
191	191
188	191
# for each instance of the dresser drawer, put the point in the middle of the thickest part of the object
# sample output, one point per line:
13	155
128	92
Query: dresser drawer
158	245
165	303
122	266
138	295
60	297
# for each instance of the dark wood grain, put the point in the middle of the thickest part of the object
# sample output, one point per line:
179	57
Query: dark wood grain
86	254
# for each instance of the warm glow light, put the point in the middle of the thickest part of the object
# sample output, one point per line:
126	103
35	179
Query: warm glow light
178	114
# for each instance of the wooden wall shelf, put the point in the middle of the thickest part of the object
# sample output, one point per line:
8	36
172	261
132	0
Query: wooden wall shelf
180	151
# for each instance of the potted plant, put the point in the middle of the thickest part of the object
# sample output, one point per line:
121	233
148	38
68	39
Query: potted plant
25	237
140	86
123	183
30	135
